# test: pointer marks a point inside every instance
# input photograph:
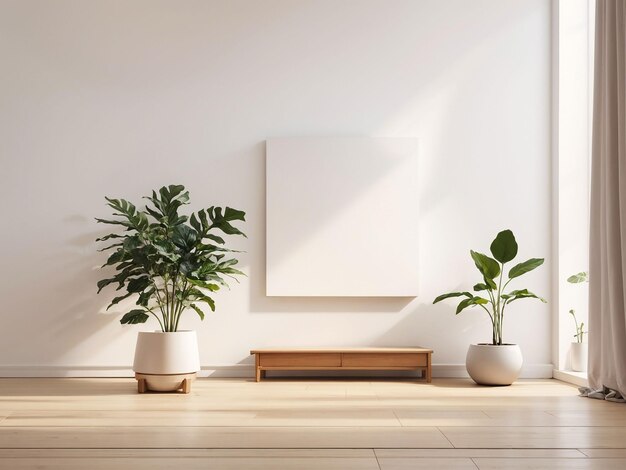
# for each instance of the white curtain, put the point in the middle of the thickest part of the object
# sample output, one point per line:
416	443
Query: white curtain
607	269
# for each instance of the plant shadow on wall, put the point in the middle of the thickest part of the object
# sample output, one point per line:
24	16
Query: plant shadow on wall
497	363
71	323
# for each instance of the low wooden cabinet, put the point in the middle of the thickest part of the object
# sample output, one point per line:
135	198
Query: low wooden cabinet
343	359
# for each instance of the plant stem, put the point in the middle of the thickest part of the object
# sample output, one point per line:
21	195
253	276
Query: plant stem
167	303
158	319
173	310
181	305
159	302
499	312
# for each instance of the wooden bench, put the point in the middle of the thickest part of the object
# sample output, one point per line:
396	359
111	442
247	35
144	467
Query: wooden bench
343	359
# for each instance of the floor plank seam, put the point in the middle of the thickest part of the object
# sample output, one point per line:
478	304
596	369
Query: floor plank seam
398	418
446	437
377	461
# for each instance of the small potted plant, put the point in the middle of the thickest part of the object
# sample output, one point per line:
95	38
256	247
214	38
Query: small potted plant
579	349
495	363
169	264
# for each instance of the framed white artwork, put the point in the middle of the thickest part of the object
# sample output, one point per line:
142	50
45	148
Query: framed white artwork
342	217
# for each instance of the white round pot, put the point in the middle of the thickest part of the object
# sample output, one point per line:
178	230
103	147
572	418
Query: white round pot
494	365
165	356
578	356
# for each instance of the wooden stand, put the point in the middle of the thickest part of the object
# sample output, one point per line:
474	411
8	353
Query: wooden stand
344	359
164	382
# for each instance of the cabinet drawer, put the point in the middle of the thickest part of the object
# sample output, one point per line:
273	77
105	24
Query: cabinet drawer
375	360
300	360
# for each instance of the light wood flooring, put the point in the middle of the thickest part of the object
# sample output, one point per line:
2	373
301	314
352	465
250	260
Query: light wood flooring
303	424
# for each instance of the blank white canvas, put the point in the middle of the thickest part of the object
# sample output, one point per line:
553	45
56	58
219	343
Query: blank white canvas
342	217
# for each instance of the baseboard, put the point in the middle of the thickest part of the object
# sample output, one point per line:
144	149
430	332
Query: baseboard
574	378
231	370
530	371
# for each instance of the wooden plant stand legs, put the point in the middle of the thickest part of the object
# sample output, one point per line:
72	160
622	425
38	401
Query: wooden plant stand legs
164	383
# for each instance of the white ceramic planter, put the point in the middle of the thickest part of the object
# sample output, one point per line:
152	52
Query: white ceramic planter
164	357
494	365
578	356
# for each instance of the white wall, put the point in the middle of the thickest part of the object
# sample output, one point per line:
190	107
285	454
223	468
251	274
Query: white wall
116	98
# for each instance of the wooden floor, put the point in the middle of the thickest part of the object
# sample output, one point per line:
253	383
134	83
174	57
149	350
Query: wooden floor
307	424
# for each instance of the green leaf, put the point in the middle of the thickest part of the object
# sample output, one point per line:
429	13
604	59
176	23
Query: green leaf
203	218
117	300
232	272
195	224
522	294
234	214
156	215
451	294
490	283
577	278
109	236
488	267
198	311
138	284
222	221
215	238
209	301
120	277
471	302
187	267
463	305
114	222
105	282
204	284
115	258
525	267
172	192
132	243
504	247
213	248
184	237
136	220
134	316
110	246
145	296
480	287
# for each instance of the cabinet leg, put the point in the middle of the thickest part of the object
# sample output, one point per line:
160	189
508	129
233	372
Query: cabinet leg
141	386
186	386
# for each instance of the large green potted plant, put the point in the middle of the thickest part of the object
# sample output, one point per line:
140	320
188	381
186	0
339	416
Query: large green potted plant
168	263
495	363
